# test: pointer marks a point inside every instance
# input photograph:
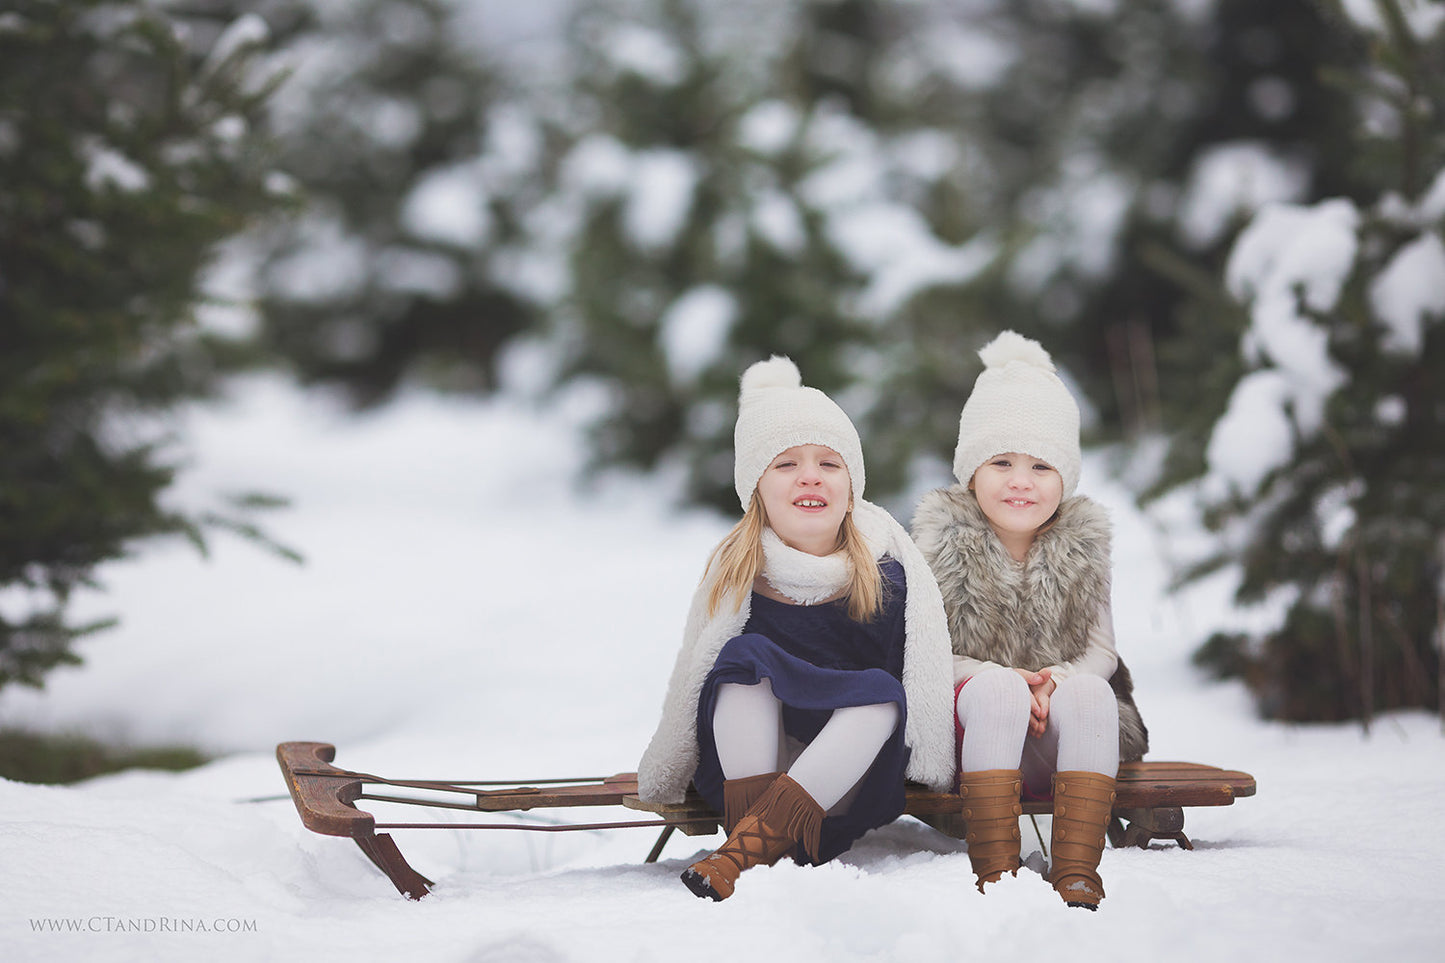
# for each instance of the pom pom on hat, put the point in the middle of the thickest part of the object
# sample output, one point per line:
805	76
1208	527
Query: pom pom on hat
1012	346
775	413
1019	403
776	372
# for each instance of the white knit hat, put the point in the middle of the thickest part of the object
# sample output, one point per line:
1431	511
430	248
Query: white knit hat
1019	404
775	413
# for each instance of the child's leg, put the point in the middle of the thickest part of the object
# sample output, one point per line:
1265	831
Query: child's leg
842	752
993	709
792	808
746	722
1085	712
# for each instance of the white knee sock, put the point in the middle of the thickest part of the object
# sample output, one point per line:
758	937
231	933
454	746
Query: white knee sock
842	752
1085	712
746	722
993	709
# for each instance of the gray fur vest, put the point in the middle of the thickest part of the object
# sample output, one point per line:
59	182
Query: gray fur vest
1028	616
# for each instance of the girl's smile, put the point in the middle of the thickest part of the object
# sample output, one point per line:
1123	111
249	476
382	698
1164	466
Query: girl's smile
1018	494
805	492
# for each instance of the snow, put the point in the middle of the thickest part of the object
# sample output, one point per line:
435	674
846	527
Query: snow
329	263
777	220
1421	17
1409	290
663	182
645	52
248	30
1290	260
969	56
106	167
768	127
894	245
694	330
449	205
655	187
1234	179
1254	436
1079	220
1432	205
465	612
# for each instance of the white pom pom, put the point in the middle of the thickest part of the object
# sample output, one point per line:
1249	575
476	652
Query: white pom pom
776	372
1012	346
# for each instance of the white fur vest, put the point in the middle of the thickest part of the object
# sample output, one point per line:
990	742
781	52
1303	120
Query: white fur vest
1028	616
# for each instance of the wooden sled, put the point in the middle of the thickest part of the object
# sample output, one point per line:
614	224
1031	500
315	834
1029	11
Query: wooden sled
1152	797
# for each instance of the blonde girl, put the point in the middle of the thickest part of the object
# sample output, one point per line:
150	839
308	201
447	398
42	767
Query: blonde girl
814	674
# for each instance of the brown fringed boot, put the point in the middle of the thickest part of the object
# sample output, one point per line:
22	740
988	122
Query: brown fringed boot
740	794
783	816
1082	804
991	811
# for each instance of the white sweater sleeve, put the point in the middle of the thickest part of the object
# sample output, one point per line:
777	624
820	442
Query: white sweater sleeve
965	668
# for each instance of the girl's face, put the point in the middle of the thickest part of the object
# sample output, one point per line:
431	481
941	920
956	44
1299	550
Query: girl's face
1018	494
806	492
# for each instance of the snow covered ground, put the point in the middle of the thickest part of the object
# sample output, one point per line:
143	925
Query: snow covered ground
464	612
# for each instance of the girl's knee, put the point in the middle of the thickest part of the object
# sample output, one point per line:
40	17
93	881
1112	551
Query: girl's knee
1084	693
882	716
1084	688
996	693
997	682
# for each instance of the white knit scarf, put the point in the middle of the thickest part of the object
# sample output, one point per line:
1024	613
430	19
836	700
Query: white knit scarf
667	765
806	579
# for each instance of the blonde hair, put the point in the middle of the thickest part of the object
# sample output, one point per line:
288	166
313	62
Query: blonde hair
739	562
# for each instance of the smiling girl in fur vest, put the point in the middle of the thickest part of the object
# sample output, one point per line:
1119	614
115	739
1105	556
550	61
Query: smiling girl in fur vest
815	671
1044	705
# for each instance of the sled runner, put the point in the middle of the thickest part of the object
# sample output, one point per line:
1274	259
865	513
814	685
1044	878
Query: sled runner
1150	805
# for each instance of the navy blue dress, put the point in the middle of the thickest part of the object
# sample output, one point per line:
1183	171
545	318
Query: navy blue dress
817	660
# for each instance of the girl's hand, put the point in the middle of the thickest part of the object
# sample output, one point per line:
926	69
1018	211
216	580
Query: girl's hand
1041	686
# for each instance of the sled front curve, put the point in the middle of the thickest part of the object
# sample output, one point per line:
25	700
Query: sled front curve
324	797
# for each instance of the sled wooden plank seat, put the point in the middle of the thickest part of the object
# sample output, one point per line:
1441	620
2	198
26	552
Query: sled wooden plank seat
1150	804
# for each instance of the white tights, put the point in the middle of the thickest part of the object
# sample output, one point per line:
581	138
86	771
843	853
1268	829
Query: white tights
1082	731
747	725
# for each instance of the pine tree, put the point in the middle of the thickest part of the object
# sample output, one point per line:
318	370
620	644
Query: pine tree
125	156
953	170
874	188
1326	470
745	180
414	159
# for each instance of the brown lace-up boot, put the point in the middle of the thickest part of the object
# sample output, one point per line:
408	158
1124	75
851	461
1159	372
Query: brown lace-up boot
1082	804
740	794
991	811
783	816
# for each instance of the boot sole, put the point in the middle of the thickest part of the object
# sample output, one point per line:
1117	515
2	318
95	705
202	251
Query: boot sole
699	885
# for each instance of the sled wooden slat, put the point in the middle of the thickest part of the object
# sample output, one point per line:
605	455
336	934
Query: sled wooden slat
1151	797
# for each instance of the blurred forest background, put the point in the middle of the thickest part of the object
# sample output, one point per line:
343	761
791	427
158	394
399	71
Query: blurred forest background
1225	218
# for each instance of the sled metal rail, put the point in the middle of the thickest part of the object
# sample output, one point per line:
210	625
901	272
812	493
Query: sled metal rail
1151	797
